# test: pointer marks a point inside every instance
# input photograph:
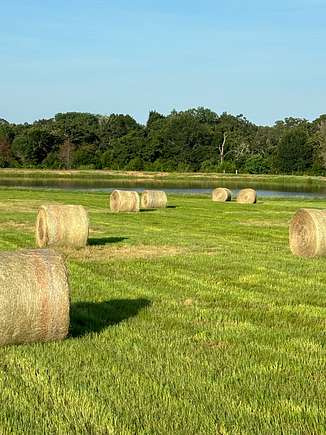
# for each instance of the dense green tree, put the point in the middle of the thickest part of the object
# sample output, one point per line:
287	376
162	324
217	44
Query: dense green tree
295	151
203	115
115	126
257	164
319	140
153	117
6	137
179	138
127	148
85	157
78	128
32	147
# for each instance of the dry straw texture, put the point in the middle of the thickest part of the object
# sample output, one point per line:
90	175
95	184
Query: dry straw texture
124	200
221	194
247	196
34	296
62	225
307	233
153	199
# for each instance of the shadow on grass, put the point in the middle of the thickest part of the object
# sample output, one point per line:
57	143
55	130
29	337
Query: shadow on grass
87	317
155	209
105	240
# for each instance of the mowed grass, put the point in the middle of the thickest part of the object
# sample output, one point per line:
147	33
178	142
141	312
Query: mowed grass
195	319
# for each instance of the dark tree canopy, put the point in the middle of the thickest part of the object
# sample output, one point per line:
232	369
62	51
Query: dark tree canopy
197	139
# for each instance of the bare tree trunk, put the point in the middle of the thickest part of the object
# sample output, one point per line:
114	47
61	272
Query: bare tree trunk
65	153
221	147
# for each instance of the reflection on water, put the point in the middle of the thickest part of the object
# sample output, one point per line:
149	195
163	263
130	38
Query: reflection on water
191	187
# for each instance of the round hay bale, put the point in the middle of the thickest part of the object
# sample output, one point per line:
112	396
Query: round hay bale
62	225
221	194
124	200
307	233
34	296
153	199
247	196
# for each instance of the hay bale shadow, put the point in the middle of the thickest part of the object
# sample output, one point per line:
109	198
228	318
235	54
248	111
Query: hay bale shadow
105	240
88	317
144	210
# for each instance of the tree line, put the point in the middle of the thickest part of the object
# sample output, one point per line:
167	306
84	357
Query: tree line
192	140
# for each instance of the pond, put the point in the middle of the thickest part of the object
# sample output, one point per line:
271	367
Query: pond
174	187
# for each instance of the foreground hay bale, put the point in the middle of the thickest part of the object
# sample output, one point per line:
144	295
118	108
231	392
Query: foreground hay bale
62	225
34	296
307	233
247	196
153	199
124	200
221	194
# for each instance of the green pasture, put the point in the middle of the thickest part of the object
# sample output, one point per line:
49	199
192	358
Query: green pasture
192	178
194	319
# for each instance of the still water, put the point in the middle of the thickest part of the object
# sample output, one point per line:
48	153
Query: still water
177	188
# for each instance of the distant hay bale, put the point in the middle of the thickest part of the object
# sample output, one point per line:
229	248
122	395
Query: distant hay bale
124	201
247	196
62	225
221	194
153	199
34	296
307	233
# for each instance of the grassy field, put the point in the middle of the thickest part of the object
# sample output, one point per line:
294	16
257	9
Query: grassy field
192	178
195	319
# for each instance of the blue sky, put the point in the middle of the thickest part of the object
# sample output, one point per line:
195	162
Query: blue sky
264	59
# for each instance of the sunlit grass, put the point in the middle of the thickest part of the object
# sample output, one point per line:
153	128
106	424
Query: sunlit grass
189	320
164	178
